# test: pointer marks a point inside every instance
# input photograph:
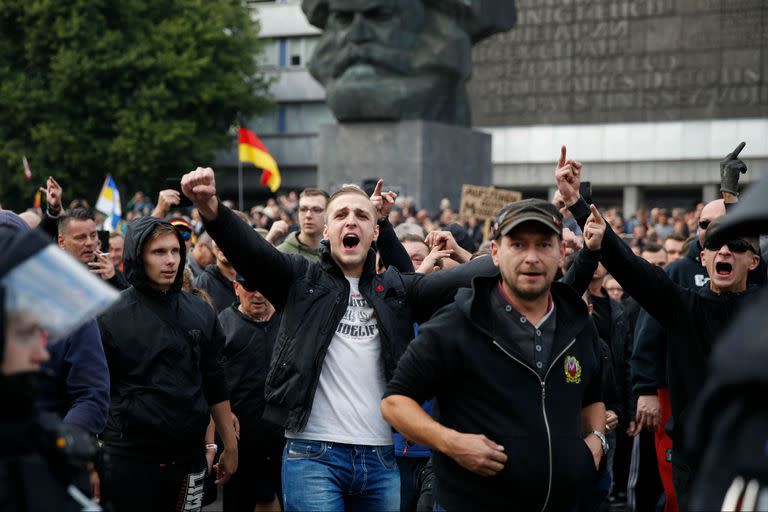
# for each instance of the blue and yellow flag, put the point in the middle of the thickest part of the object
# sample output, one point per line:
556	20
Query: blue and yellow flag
108	203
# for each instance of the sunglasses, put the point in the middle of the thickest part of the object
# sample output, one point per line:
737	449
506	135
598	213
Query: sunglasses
737	245
186	235
704	224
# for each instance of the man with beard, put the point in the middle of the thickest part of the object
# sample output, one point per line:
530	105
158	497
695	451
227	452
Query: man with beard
515	367
401	59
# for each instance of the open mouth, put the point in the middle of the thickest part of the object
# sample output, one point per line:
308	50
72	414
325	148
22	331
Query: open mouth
723	269
350	241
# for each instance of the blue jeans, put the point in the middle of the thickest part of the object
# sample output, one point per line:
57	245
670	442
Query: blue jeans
323	476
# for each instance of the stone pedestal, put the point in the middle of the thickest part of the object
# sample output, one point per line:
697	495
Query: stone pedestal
423	160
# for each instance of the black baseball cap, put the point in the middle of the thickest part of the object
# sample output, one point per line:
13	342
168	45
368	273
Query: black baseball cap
526	210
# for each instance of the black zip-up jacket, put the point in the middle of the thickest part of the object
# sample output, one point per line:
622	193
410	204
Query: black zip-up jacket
312	298
164	356
247	354
693	318
649	357
482	386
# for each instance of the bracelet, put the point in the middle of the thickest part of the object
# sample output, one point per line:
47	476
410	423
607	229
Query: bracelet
603	440
212	446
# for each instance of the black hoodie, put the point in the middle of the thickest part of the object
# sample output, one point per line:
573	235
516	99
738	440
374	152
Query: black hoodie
463	357
164	357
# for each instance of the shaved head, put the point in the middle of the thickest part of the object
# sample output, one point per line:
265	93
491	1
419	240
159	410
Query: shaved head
712	210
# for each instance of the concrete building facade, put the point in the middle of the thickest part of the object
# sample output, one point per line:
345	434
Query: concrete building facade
649	94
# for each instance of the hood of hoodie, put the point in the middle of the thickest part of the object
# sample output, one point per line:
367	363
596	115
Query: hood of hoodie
133	265
474	303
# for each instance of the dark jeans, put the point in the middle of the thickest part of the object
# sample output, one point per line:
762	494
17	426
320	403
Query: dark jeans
131	484
410	486
257	479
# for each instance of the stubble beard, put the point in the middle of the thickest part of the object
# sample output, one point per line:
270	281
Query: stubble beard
529	294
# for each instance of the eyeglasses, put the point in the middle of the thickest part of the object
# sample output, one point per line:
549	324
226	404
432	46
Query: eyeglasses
315	210
737	245
704	224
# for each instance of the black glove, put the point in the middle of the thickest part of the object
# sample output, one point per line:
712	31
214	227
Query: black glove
730	168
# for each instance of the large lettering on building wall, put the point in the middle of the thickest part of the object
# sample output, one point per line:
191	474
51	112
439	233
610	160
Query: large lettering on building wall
585	61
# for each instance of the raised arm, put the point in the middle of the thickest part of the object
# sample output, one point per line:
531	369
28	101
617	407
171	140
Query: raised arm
585	263
50	220
646	283
252	256
392	252
428	293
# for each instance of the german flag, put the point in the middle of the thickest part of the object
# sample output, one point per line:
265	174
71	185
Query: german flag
250	149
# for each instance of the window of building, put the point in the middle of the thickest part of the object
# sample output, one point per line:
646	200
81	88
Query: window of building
288	52
293	118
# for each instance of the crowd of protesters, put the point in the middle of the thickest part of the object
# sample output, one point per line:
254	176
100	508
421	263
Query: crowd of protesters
552	362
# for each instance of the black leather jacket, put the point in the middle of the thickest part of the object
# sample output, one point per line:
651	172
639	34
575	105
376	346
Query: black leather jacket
312	298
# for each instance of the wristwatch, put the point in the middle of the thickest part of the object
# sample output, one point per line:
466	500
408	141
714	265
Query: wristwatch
603	441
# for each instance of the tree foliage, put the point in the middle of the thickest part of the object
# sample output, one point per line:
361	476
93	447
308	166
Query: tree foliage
141	89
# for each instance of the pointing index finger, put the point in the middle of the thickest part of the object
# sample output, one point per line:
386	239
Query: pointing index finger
736	151
596	214
377	190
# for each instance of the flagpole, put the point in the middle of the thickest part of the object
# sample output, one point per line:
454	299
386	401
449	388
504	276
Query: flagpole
239	185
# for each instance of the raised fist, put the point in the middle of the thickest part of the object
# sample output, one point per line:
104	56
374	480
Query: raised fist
200	187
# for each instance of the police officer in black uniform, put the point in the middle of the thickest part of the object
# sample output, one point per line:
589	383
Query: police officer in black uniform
41	458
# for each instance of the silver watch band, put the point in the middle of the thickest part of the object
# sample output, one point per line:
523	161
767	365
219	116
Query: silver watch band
603	440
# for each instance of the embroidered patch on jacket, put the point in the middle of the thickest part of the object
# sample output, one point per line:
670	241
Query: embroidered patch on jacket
572	370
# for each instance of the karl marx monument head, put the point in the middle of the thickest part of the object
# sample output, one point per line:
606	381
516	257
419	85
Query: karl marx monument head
401	59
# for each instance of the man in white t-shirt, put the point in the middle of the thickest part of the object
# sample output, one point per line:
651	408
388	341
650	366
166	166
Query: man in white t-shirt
343	329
